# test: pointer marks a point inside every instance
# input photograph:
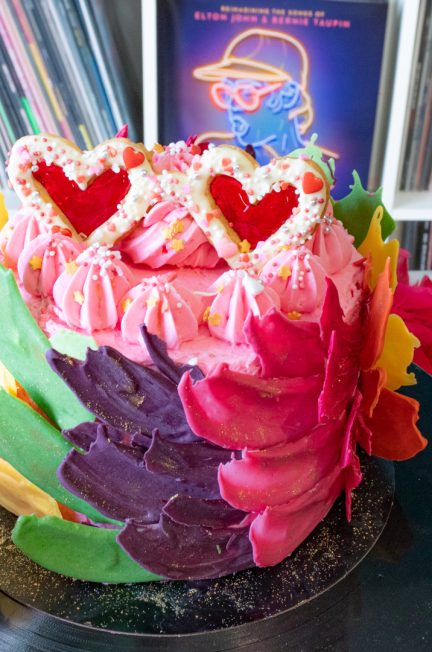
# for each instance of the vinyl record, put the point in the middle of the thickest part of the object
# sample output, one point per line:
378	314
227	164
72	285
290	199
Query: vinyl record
63	614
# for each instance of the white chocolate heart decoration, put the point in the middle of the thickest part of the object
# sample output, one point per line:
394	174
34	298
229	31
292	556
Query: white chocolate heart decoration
305	176
191	190
82	168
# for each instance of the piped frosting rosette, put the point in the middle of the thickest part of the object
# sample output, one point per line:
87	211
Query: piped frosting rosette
298	278
333	244
43	260
88	292
238	294
167	308
18	232
168	235
175	157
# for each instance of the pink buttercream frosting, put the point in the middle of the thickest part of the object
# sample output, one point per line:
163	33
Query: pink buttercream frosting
298	278
17	233
42	261
175	157
166	307
333	244
238	294
168	235
88	295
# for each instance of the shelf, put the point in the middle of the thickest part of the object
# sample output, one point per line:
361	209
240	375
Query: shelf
404	205
407	206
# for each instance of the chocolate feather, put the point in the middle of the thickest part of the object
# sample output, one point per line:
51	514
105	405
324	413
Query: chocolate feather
118	480
124	394
186	552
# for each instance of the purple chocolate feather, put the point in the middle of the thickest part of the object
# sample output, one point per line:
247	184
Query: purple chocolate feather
186	510
187	460
144	465
115	479
158	352
85	434
122	393
182	552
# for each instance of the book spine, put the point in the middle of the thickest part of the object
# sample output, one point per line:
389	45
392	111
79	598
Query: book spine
65	100
90	67
409	241
423	114
423	244
61	53
12	41
81	84
11	102
31	62
90	27
429	255
16	91
417	117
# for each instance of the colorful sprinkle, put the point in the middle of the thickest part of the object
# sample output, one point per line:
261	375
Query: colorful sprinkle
284	272
78	297
35	263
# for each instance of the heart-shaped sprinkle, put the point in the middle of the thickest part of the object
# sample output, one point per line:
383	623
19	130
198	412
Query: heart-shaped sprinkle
132	158
311	183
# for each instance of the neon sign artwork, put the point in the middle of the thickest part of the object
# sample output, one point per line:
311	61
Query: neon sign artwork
261	82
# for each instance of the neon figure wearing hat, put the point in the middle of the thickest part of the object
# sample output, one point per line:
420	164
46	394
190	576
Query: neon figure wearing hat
268	106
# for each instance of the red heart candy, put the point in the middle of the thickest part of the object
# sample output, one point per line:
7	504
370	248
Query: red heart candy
311	183
85	209
252	222
132	158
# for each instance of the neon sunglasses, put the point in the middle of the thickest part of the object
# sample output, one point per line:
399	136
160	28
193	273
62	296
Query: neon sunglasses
245	95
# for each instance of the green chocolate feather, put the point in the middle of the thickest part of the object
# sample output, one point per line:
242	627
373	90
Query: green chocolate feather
356	210
22	350
35	448
79	551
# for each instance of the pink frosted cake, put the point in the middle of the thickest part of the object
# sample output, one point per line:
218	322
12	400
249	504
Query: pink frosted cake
193	347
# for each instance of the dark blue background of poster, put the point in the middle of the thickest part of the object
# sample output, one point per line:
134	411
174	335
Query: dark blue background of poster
345	67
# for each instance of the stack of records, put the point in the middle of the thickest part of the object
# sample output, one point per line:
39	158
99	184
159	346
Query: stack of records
59	73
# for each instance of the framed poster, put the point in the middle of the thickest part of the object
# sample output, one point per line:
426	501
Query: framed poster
267	75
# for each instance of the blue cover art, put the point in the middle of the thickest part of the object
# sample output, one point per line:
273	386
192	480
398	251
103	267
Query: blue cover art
270	75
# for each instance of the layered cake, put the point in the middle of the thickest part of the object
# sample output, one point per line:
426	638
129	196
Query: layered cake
192	347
